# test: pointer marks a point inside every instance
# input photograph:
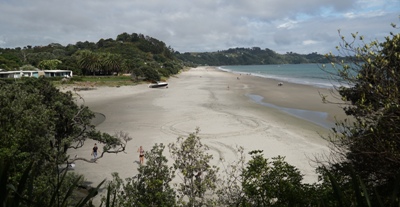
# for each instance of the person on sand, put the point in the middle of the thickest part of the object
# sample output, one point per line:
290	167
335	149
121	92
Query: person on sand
94	151
141	155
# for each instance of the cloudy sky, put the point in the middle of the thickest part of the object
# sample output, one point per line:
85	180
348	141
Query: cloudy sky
301	26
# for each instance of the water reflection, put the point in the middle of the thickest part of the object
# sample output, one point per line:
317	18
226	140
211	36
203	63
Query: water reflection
316	117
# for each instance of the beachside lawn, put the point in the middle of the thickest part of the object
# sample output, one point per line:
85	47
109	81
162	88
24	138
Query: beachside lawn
92	81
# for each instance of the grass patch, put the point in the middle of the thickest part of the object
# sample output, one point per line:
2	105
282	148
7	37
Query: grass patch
93	81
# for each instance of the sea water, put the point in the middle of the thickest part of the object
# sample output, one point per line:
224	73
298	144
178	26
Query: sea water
315	75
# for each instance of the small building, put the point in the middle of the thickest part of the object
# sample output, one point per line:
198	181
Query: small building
36	73
58	73
19	74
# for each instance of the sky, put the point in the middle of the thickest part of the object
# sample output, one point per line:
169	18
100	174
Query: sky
300	26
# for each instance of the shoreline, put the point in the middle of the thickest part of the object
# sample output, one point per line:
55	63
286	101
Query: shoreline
316	117
277	78
311	101
216	102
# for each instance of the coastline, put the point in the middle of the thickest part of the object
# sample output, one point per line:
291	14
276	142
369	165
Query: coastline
219	104
300	100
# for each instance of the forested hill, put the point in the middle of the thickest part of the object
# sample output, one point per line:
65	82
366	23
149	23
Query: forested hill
133	53
137	54
250	56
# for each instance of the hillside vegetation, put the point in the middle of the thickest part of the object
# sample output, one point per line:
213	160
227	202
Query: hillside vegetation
143	56
250	56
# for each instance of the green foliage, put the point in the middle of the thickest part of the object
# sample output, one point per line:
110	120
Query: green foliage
38	122
89	62
273	183
27	67
99	63
249	56
8	64
192	163
150	187
10	59
35	56
164	72
369	144
153	180
25	127
337	189
112	62
49	64
230	190
9	195
150	73
123	55
14	196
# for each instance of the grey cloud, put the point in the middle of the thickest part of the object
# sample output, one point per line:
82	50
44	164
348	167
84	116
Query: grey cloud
197	25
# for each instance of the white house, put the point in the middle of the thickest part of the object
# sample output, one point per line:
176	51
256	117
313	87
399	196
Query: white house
36	74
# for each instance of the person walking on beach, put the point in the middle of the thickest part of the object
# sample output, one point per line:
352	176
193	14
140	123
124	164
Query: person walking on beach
141	155
94	151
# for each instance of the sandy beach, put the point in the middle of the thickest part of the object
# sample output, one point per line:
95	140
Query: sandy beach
220	104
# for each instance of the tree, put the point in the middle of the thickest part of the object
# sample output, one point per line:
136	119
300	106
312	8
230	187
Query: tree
192	163
49	64
123	37
34	58
6	63
150	187
12	194
369	144
273	183
89	61
266	182
38	122
112	62
150	73
230	191
27	67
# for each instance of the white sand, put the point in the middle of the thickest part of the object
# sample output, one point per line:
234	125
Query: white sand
226	117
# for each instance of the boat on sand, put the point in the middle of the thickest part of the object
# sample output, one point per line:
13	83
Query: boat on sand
158	84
